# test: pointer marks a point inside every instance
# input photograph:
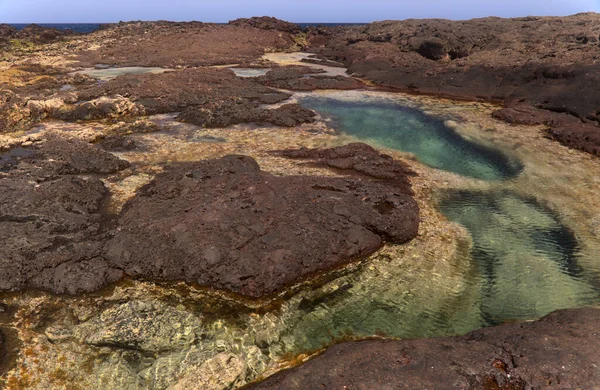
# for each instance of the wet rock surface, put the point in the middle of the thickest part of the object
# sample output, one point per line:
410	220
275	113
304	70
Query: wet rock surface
2	349
51	218
544	62
558	350
230	113
226	224
146	326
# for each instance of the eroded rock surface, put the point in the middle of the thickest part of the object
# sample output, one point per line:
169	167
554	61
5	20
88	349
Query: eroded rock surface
170	44
302	78
559	350
545	62
226	224
220	372
357	157
51	218
230	113
146	326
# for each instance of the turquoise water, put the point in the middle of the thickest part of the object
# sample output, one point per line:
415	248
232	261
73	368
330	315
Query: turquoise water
525	257
522	265
409	129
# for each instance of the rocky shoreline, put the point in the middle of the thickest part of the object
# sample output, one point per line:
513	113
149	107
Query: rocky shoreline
177	227
511	357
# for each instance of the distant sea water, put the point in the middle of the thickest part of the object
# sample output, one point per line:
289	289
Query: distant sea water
77	27
90	27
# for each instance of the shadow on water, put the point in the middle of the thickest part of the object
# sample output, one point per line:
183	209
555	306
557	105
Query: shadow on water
527	259
409	129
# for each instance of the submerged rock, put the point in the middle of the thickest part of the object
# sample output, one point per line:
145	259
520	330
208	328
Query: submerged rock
2	349
221	372
146	326
559	350
226	224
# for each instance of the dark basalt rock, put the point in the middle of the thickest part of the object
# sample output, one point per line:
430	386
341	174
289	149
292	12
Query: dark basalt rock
51	219
303	78
267	23
560	350
175	91
73	156
357	157
548	62
191	44
230	113
39	34
226	224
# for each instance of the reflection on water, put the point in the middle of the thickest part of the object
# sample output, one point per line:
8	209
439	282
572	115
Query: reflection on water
106	74
249	72
527	260
410	130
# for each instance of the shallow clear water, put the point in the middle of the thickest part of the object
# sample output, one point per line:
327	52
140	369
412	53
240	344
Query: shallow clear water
525	257
249	72
106	74
409	129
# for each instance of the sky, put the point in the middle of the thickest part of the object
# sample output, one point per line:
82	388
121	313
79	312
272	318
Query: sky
320	11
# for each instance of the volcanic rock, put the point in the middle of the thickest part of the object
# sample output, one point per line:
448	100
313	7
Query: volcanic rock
230	113
226	224
560	350
546	62
357	157
267	23
302	78
51	218
174	91
172	44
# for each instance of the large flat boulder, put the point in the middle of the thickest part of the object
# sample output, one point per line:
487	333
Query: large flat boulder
226	224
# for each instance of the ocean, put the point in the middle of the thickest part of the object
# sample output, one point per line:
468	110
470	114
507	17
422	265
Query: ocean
90	27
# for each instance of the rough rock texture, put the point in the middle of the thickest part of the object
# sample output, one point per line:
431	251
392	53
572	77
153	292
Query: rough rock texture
32	33
229	113
357	157
51	218
558	351
170	44
267	23
545	62
174	91
2	349
301	78
146	326
38	34
220	372
226	224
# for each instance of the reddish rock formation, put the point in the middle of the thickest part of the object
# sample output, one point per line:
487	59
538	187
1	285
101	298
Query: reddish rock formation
226	224
51	220
545	62
561	350
170	44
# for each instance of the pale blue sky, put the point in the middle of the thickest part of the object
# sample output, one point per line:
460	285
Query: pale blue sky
64	11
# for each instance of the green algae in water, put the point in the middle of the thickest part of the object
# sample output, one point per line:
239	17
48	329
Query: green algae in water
408	129
527	260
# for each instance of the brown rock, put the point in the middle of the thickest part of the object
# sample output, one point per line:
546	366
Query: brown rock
226	224
545	62
51	220
561	350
